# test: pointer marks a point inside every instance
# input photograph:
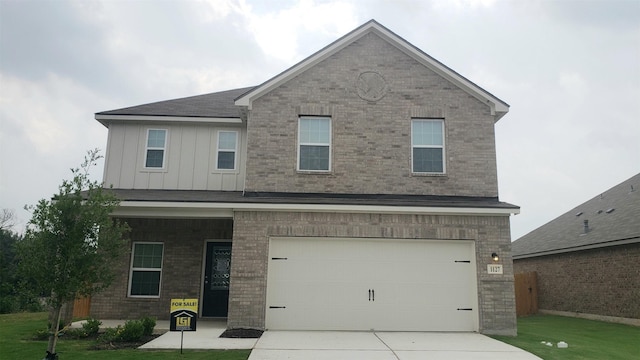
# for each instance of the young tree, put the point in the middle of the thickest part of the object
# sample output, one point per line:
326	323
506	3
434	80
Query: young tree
71	243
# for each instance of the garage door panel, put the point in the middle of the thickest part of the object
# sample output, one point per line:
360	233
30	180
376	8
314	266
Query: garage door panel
356	284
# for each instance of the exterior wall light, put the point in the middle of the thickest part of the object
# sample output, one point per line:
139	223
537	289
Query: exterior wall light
495	257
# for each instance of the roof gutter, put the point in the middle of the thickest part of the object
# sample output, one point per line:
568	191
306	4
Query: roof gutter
211	209
106	119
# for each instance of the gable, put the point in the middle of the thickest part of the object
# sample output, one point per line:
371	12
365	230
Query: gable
498	107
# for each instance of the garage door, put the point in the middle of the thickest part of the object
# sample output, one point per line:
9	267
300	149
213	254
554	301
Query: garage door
371	284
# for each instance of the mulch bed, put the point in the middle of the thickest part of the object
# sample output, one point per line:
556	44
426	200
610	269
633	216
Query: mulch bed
242	333
123	345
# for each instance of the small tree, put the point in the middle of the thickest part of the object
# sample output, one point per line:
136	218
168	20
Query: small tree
71	243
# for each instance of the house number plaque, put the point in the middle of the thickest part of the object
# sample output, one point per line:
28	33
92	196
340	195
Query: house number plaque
494	269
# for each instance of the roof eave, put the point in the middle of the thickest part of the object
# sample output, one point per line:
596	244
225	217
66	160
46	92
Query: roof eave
106	119
226	209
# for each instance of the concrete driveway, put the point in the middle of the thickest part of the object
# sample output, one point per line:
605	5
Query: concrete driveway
332	345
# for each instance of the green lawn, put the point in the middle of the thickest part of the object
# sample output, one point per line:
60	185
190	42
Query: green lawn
587	339
16	329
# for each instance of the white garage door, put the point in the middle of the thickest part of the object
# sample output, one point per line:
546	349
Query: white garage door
365	284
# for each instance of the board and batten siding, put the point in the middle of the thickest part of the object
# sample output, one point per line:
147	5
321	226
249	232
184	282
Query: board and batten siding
190	158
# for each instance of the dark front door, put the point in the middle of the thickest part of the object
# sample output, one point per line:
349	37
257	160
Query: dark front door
215	300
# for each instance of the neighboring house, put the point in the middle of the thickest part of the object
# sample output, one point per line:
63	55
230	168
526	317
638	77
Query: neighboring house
588	259
356	190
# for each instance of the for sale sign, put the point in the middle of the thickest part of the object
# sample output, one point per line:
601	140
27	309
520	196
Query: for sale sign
184	314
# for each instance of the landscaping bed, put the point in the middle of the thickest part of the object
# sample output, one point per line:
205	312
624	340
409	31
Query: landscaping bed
17	333
242	333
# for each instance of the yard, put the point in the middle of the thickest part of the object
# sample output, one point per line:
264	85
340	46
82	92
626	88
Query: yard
17	329
587	339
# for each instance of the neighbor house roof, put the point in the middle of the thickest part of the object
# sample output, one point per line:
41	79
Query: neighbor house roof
611	218
498	107
217	105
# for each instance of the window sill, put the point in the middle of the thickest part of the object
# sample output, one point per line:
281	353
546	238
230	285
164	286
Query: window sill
225	171
314	172
144	297
154	170
429	174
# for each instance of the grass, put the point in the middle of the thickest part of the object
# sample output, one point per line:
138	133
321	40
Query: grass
16	330
587	339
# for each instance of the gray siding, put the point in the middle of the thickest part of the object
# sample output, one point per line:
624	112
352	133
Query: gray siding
189	164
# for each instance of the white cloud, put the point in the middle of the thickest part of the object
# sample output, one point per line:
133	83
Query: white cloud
573	84
280	33
49	113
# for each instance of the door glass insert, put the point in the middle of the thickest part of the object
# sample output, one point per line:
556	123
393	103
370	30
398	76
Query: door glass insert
220	267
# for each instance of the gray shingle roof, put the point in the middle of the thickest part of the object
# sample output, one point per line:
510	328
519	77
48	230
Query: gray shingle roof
613	219
219	104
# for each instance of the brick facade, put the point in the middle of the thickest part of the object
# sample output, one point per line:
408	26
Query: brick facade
184	242
371	141
252	231
603	281
370	154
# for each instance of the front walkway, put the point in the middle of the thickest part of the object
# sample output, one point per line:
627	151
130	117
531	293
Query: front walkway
207	336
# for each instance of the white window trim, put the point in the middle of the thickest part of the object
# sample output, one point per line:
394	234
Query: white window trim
443	147
300	143
164	149
133	247
235	150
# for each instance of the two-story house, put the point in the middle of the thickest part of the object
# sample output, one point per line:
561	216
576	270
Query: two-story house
356	190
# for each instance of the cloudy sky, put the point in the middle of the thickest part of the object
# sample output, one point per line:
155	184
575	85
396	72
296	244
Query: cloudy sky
569	69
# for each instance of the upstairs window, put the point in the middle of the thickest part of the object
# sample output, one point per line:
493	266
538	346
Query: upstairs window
427	146
146	269
314	139
227	148
156	146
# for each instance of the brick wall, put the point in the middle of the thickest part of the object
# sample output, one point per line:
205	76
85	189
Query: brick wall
371	141
600	281
184	242
251	244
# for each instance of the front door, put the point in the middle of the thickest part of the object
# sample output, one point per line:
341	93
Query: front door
215	299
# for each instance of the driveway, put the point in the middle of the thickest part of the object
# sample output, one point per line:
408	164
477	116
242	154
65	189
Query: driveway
332	345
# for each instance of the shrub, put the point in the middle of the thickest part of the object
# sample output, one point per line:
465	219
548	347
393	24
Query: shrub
75	334
132	331
91	326
148	324
110	335
41	334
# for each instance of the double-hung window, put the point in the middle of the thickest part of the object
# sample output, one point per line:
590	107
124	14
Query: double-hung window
314	143
156	147
146	269
227	149
427	146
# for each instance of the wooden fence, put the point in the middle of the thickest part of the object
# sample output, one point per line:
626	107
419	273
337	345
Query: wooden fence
526	285
81	307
